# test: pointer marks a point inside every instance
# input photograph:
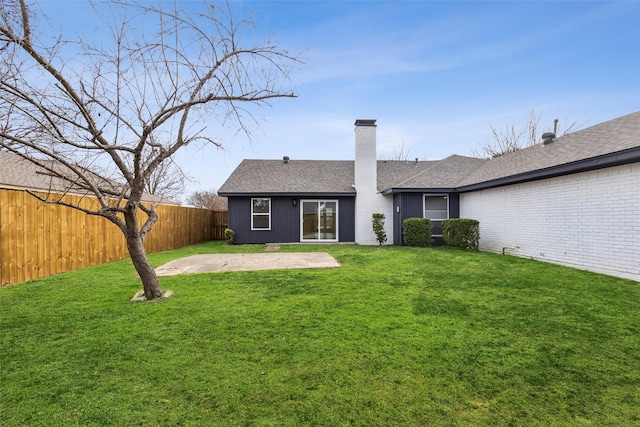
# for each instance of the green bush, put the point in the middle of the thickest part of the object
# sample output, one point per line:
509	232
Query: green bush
229	235
461	233
377	222
417	232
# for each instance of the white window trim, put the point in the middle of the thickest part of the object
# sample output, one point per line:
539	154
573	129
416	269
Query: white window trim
424	207
260	214
302	239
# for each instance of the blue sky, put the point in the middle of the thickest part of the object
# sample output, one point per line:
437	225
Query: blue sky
434	74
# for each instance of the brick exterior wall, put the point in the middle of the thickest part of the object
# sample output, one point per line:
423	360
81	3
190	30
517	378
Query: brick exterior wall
368	199
589	220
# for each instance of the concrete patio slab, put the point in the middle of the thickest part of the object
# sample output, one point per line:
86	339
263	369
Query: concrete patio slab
212	263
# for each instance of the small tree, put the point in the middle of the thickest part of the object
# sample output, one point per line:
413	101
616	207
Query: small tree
208	199
229	235
101	114
378	228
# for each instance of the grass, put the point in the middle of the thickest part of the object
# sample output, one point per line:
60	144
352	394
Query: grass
396	336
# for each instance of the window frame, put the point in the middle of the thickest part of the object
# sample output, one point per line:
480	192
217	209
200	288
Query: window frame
260	214
337	216
424	208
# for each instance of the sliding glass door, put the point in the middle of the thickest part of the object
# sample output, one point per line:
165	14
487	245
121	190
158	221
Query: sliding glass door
319	220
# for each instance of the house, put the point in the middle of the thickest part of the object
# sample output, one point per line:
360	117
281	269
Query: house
573	200
17	173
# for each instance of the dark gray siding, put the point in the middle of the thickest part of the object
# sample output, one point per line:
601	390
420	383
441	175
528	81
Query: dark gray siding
454	205
285	220
397	219
410	205
347	219
405	205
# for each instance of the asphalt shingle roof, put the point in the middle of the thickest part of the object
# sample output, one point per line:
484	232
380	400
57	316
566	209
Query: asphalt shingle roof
610	137
327	176
337	176
446	173
18	173
393	172
296	176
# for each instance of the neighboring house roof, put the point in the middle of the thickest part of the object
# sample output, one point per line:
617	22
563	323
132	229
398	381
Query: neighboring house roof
18	173
608	144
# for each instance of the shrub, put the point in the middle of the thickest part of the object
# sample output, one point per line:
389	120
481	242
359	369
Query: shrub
461	233
417	231
229	234
378	227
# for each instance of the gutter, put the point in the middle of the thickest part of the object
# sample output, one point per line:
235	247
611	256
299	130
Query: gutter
437	190
286	194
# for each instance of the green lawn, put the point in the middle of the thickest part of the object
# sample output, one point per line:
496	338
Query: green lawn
397	336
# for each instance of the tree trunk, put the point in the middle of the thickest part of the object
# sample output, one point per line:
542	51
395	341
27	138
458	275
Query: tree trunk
135	245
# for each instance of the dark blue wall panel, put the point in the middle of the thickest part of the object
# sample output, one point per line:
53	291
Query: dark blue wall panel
454	205
285	220
411	205
347	219
406	205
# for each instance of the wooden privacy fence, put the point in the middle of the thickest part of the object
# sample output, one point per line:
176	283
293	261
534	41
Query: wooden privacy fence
39	239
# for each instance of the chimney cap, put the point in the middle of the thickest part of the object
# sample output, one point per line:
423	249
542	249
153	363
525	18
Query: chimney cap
365	122
547	137
285	159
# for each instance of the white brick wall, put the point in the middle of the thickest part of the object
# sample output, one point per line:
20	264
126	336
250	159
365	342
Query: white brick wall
366	205
589	220
368	200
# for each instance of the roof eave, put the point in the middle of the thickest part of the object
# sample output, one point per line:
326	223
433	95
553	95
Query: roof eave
287	194
594	163
397	190
605	161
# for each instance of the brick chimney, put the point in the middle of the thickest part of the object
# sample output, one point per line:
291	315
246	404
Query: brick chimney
366	162
368	199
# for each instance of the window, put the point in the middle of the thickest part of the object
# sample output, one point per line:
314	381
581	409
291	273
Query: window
260	214
436	208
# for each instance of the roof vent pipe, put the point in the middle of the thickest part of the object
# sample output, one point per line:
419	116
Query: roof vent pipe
547	137
285	159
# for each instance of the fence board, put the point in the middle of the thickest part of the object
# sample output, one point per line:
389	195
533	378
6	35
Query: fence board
39	239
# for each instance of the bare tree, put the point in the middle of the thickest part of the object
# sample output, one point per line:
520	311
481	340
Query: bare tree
207	199
513	138
565	127
94	114
167	182
398	153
